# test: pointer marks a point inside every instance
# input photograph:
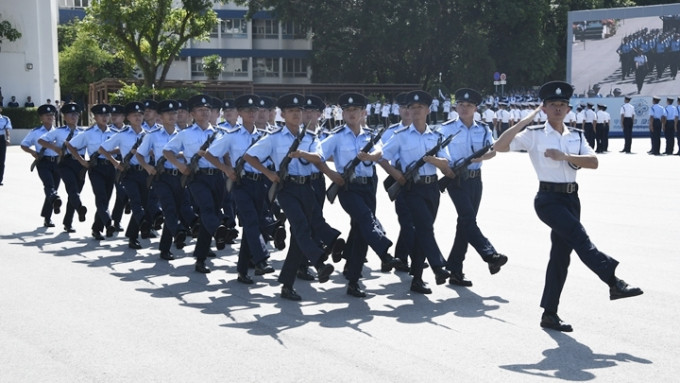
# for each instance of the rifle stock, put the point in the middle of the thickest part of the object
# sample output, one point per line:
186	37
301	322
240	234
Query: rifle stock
193	163
461	165
128	157
283	167
160	169
37	160
92	162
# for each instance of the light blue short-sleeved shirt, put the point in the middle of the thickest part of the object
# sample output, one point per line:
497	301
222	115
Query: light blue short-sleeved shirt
59	135
235	142
125	140
276	145
408	145
32	138
91	139
344	146
467	140
190	141
154	142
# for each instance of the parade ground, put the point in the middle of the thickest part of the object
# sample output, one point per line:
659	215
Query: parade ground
76	310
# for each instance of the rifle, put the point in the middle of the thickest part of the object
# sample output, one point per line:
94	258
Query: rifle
160	169
348	173
193	164
461	165
238	169
128	157
283	167
63	146
411	172
37	160
92	162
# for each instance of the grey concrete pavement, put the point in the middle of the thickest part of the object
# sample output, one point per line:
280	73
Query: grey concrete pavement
74	310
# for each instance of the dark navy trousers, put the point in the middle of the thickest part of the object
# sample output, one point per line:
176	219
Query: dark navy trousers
423	203
248	197
69	169
207	192
134	184
47	171
102	177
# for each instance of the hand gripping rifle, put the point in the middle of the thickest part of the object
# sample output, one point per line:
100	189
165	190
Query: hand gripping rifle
348	173
39	158
283	167
64	149
239	167
126	160
461	165
193	164
92	162
412	169
160	169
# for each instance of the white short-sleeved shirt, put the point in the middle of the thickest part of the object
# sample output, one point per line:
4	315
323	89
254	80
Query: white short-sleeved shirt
537	139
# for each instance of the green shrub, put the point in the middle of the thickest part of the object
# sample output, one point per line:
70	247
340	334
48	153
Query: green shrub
22	118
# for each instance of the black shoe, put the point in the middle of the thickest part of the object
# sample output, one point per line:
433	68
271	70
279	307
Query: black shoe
82	211
495	263
195	229
145	229
56	205
280	238
459	279
109	231
621	289
158	221
324	272
221	237
418	286
553	322
262	268
245	279
337	249
97	235
179	239
167	255
388	263
127	208
425	265
440	275
402	266
117	227
69	229
211	254
355	290
201	267
48	223
305	275
134	244
290	294
232	234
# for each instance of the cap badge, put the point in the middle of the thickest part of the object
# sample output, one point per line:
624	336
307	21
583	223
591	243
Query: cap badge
137	107
295	100
558	91
104	109
170	105
416	97
203	100
466	95
250	101
350	100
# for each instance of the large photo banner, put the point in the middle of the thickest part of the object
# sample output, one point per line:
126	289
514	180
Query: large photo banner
613	104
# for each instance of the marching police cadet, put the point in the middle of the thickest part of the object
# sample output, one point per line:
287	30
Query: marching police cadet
466	190
406	239
150	115
100	171
248	190
122	202
357	191
183	116
410	144
627	115
208	184
657	118
556	153
132	176
296	195
230	115
67	167
670	126
46	162
177	209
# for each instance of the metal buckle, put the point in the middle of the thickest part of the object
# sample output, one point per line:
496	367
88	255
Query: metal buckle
428	179
571	188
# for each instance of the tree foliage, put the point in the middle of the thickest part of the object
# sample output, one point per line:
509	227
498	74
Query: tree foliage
212	66
7	31
150	31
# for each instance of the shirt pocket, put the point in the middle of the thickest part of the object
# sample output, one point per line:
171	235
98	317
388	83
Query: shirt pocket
547	162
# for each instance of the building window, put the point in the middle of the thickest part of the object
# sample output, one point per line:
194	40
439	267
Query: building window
180	58
294	68
235	28
197	66
74	3
264	67
290	30
235	67
265	29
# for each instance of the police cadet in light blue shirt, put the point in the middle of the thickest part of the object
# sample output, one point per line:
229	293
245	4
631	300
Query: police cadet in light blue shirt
150	115
176	206
296	195
47	167
671	125
657	117
208	185
121	202
5	127
357	195
248	191
102	174
466	190
410	144
407	234
133	180
67	167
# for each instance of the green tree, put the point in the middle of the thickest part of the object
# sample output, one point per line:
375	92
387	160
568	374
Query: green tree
212	66
7	31
150	31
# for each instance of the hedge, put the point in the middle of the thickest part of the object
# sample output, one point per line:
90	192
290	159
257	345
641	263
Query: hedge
22	118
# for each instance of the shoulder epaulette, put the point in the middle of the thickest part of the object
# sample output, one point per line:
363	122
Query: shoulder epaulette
394	125
535	127
157	128
313	134
576	130
451	121
37	127
337	129
275	129
401	130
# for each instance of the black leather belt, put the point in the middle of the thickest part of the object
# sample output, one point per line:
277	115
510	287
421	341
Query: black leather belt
252	176
315	176
362	180
50	158
300	180
568	187
103	161
426	180
209	171
138	168
474	173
